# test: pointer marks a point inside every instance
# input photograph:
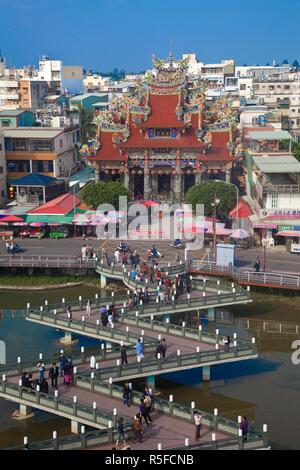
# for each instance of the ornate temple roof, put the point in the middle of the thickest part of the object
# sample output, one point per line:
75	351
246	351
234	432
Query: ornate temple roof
164	99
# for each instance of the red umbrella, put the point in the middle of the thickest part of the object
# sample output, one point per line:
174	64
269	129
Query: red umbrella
11	218
150	203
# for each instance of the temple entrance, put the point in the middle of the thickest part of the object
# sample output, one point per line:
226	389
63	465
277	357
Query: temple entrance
189	181
164	186
138	185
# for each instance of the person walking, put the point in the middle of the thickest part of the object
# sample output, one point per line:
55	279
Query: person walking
244	428
158	350
147	403
257	265
62	361
198	424
88	307
163	347
144	412
117	256
53	374
139	349
41	369
124	355
126	394
137	428
121	434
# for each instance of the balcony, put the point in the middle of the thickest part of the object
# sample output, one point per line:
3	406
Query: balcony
281	188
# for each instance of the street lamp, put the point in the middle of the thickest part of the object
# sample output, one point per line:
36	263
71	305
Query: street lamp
237	200
215	204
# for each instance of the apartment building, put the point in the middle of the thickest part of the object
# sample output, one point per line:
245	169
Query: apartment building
9	94
3	190
52	152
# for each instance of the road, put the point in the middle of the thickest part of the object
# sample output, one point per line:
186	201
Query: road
277	258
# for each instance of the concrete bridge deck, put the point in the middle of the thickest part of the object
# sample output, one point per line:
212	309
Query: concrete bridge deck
187	347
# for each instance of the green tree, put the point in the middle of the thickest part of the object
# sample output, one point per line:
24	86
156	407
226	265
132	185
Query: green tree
295	148
295	64
87	127
105	193
204	193
284	62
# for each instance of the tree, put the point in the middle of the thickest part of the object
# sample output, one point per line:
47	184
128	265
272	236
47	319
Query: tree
104	193
87	127
295	64
204	193
295	147
284	62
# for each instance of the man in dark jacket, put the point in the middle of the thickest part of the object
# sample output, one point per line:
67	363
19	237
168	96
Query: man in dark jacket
158	349
126	394
53	374
124	355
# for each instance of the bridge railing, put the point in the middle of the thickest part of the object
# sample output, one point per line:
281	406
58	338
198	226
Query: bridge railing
245	275
46	261
78	358
174	362
62	406
210	420
177	330
96	437
89	328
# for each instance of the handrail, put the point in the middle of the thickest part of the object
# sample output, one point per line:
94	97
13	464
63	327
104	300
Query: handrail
61	406
244	275
180	361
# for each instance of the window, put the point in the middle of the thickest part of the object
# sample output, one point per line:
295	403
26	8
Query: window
286	87
60	143
40	145
243	87
25	102
162	132
18	166
50	166
5	123
1	144
2	194
1	169
19	144
274	201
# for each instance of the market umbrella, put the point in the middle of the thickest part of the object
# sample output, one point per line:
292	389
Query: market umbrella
219	230
150	203
54	224
11	218
4	223
19	223
194	230
240	233
289	233
37	224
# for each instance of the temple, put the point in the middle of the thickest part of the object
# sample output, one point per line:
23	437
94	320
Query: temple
165	137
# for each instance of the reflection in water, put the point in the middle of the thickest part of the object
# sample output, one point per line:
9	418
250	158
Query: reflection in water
266	390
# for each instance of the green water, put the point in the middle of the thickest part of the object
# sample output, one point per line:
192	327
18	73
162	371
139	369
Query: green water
266	390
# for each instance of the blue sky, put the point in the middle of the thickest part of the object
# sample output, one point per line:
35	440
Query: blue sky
104	34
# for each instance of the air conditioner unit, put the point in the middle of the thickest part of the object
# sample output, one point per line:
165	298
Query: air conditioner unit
254	120
261	100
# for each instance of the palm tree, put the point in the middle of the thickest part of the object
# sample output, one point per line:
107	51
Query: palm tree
87	127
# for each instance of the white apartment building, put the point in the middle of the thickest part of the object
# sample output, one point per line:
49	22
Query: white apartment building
9	94
2	170
212	72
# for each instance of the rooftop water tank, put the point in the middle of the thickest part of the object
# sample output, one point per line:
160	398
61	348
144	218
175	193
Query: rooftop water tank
261	120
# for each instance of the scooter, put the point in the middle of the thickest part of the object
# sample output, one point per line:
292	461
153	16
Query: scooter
174	244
